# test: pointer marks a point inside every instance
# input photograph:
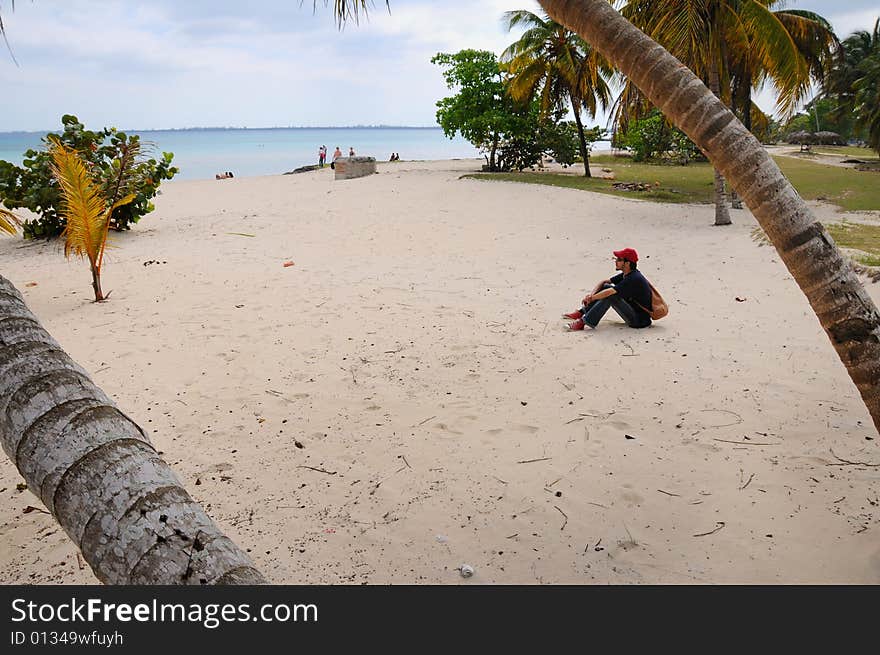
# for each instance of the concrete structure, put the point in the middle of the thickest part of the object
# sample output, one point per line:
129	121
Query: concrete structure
350	167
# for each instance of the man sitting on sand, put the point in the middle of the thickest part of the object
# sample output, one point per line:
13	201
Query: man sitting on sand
628	293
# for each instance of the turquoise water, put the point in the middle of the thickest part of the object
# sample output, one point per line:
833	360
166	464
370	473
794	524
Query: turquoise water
201	153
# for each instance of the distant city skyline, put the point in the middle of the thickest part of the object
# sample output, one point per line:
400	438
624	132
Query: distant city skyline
170	65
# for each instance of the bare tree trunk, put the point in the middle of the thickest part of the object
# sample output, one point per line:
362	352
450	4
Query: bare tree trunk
735	200
97	472
582	140
845	311
722	213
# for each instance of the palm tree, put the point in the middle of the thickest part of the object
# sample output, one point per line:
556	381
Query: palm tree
551	61
752	65
713	36
96	470
845	311
854	81
84	209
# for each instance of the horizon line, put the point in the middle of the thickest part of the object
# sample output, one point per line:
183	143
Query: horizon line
233	128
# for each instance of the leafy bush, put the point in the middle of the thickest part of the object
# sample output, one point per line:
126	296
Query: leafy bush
653	137
33	186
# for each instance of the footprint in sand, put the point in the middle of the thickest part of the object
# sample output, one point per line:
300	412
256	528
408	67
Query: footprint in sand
632	498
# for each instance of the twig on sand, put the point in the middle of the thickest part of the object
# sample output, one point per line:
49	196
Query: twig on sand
632	353
530	461
581	417
499	479
425	421
31	508
749	443
565	515
748	482
597	504
312	468
403	457
241	234
669	493
719	525
726	411
846	462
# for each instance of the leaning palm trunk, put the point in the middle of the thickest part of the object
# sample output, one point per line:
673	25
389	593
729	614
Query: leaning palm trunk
841	303
96	471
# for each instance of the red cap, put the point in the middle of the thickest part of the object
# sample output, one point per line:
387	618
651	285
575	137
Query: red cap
628	254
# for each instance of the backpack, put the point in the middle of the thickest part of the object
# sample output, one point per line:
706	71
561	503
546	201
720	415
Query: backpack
659	306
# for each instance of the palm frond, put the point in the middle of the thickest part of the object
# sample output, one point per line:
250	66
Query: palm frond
350	10
5	40
8	221
83	205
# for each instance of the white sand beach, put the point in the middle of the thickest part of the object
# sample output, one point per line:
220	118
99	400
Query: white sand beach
404	399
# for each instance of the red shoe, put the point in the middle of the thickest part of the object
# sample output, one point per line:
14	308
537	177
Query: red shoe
577	325
574	315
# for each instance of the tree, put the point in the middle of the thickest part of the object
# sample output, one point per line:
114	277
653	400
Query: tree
96	470
853	82
843	307
32	185
717	37
653	137
480	111
556	65
822	114
484	113
85	211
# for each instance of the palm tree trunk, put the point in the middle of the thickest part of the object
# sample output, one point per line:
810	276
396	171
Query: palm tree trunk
843	307
96	470
582	140
96	284
722	213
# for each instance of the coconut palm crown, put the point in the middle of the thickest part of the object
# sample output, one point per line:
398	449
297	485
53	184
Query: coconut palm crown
551	61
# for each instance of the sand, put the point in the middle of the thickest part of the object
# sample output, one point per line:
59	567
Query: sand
404	399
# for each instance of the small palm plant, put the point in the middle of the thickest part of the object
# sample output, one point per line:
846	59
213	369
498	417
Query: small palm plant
87	206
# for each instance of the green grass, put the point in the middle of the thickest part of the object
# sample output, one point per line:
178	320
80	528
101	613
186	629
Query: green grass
864	239
847	188
849	152
858	236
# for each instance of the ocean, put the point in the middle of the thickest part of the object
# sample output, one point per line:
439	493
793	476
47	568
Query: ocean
202	153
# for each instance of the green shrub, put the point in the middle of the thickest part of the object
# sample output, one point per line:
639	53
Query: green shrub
33	187
652	137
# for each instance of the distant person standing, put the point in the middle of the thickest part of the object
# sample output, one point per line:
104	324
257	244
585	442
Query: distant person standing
322	156
350	151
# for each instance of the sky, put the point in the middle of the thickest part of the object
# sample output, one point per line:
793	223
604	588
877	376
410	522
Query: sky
157	64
